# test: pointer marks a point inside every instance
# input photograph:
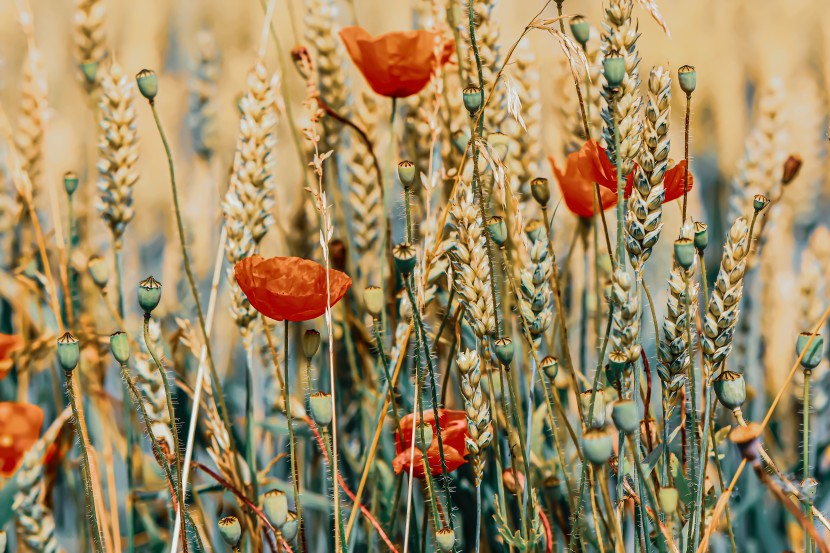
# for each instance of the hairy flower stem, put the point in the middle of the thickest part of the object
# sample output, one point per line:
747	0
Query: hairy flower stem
295	474
805	445
384	361
407	196
686	157
508	427
514	399
692	419
250	446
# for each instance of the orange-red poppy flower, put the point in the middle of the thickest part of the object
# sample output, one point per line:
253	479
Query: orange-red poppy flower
396	64
577	190
289	288
20	425
675	179
9	343
454	433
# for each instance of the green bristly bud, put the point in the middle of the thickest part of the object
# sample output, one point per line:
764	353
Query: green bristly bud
98	270
149	294
231	530
684	252
68	352
472	99
614	69
321	408
687	76
70	183
311	343
505	350
626	416
148	83
407	173
373	298
534	228
581	29
498	230
814	353
120	346
597	446
405	258
275	505
701	239
730	387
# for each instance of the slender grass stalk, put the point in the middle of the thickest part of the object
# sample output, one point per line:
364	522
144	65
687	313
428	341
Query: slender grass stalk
805	446
391	389
295	473
686	157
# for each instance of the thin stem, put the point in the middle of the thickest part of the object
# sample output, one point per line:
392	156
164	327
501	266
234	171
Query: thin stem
385	363
295	474
805	445
692	410
686	157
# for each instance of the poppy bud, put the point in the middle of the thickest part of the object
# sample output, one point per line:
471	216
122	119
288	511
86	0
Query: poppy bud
550	366
597	446
760	202
533	229
701	239
70	182
149	294
231	530
407	173
809	488
626	416
445	540
614	68
405	257
814	353
275	505
500	143
311	343
337	254
472	99
291	526
321	408
581	29
90	71
498	230
730	387
120	346
98	270
684	252
687	76
426	431
510	483
68	352
148	83
599	408
668	500
373	298
504	351
746	438
791	168
540	190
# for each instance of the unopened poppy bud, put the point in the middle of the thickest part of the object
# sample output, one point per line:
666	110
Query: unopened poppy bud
581	29
321	408
550	366
614	68
701	236
730	388
791	168
540	190
98	270
760	202
90	72
149	294
275	505
407	173
499	143
598	420
68	352
498	230
668	500
687	76
626	416
472	99
504	350
291	526
684	252
510	483
809	487
70	182
311	343
746	438
814	352
120	346
148	83
445	540
231	530
373	298
423	436
597	446
405	257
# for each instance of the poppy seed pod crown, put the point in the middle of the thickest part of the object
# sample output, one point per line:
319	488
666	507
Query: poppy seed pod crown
68	352
149	294
687	76
148	83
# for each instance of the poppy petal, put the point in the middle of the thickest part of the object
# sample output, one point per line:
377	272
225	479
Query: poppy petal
674	180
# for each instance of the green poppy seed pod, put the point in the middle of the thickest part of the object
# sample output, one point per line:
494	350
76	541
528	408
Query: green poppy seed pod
120	346
405	257
149	294
499	143
730	387
311	343
90	72
321	408
687	76
407	173
625	415
550	366
684	252
504	351
291	527
275	505
581	29
445	540
148	83
614	69
540	190
809	487
814	353
498	230
791	168
70	182
701	236
373	298
472	99
68	352
534	229
597	446
617	361
746	438
98	270
424	442
231	530
760	202
599	408
668	500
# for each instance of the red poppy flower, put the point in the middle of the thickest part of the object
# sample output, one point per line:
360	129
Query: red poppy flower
9	343
577	190
289	288
675	179
454	433
396	64
20	425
